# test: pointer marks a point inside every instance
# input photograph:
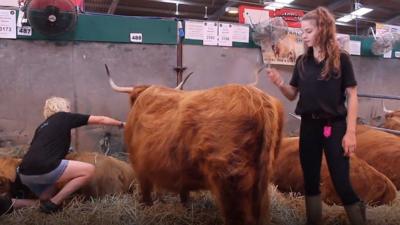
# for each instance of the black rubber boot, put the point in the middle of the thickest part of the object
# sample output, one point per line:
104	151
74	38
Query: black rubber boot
49	207
356	213
314	210
6	205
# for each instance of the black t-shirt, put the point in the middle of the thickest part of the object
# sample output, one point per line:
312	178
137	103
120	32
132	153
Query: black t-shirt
322	96
51	143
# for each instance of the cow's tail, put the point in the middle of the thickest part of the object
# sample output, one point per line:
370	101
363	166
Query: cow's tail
272	135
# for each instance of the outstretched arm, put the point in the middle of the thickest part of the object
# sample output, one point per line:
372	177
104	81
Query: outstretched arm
287	90
104	120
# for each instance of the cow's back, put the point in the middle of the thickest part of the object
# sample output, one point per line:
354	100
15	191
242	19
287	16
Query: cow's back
381	150
371	185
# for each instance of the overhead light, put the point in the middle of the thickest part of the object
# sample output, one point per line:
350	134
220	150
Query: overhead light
284	1
361	11
232	10
342	24
345	19
274	6
354	14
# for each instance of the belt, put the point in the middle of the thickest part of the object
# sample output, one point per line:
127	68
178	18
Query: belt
322	116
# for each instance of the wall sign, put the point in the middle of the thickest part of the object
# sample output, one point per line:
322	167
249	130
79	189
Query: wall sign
8	24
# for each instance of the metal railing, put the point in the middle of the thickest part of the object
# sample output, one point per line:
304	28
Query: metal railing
379	96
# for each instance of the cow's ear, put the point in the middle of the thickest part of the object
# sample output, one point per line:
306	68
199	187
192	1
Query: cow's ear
388	115
137	91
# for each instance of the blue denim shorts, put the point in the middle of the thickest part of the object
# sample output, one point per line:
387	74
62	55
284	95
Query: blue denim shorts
40	183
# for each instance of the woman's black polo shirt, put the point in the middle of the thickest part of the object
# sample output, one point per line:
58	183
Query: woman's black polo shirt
51	143
317	96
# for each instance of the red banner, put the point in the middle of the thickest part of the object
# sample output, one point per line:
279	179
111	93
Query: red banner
255	13
291	16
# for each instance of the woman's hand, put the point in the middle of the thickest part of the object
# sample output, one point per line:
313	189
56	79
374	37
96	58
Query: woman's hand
122	125
275	77
349	143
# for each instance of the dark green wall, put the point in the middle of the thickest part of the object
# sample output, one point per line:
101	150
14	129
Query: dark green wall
111	28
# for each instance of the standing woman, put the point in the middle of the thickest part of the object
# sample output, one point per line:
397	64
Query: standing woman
323	77
44	166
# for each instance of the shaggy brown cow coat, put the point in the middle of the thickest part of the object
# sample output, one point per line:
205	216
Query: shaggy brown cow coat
112	176
8	168
380	150
372	186
392	120
222	139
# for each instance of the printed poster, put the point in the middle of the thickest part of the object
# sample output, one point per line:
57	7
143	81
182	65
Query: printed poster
284	51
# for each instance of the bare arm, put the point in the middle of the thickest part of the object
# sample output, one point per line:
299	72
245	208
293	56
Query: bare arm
349	139
104	120
352	108
287	90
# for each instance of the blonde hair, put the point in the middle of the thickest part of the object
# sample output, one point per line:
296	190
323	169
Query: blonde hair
54	105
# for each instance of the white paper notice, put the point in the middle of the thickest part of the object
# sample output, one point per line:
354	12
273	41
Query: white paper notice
388	55
240	33
13	3
225	34
355	48
210	33
255	16
194	30
386	28
8	24
343	41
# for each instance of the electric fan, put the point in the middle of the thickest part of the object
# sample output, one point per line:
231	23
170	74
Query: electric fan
268	33
383	43
52	17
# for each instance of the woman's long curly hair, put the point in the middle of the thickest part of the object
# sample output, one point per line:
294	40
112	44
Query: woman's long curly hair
326	40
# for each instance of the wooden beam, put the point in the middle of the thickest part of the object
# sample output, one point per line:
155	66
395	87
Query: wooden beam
221	11
393	19
337	4
179	2
137	10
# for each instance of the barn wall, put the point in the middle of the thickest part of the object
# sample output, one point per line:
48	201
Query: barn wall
32	71
214	66
377	76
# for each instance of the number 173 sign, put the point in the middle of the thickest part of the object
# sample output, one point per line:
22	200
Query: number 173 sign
8	24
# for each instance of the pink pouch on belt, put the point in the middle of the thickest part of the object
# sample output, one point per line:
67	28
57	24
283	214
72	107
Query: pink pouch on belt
327	131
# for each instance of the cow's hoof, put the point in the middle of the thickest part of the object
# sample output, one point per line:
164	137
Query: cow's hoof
6	205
